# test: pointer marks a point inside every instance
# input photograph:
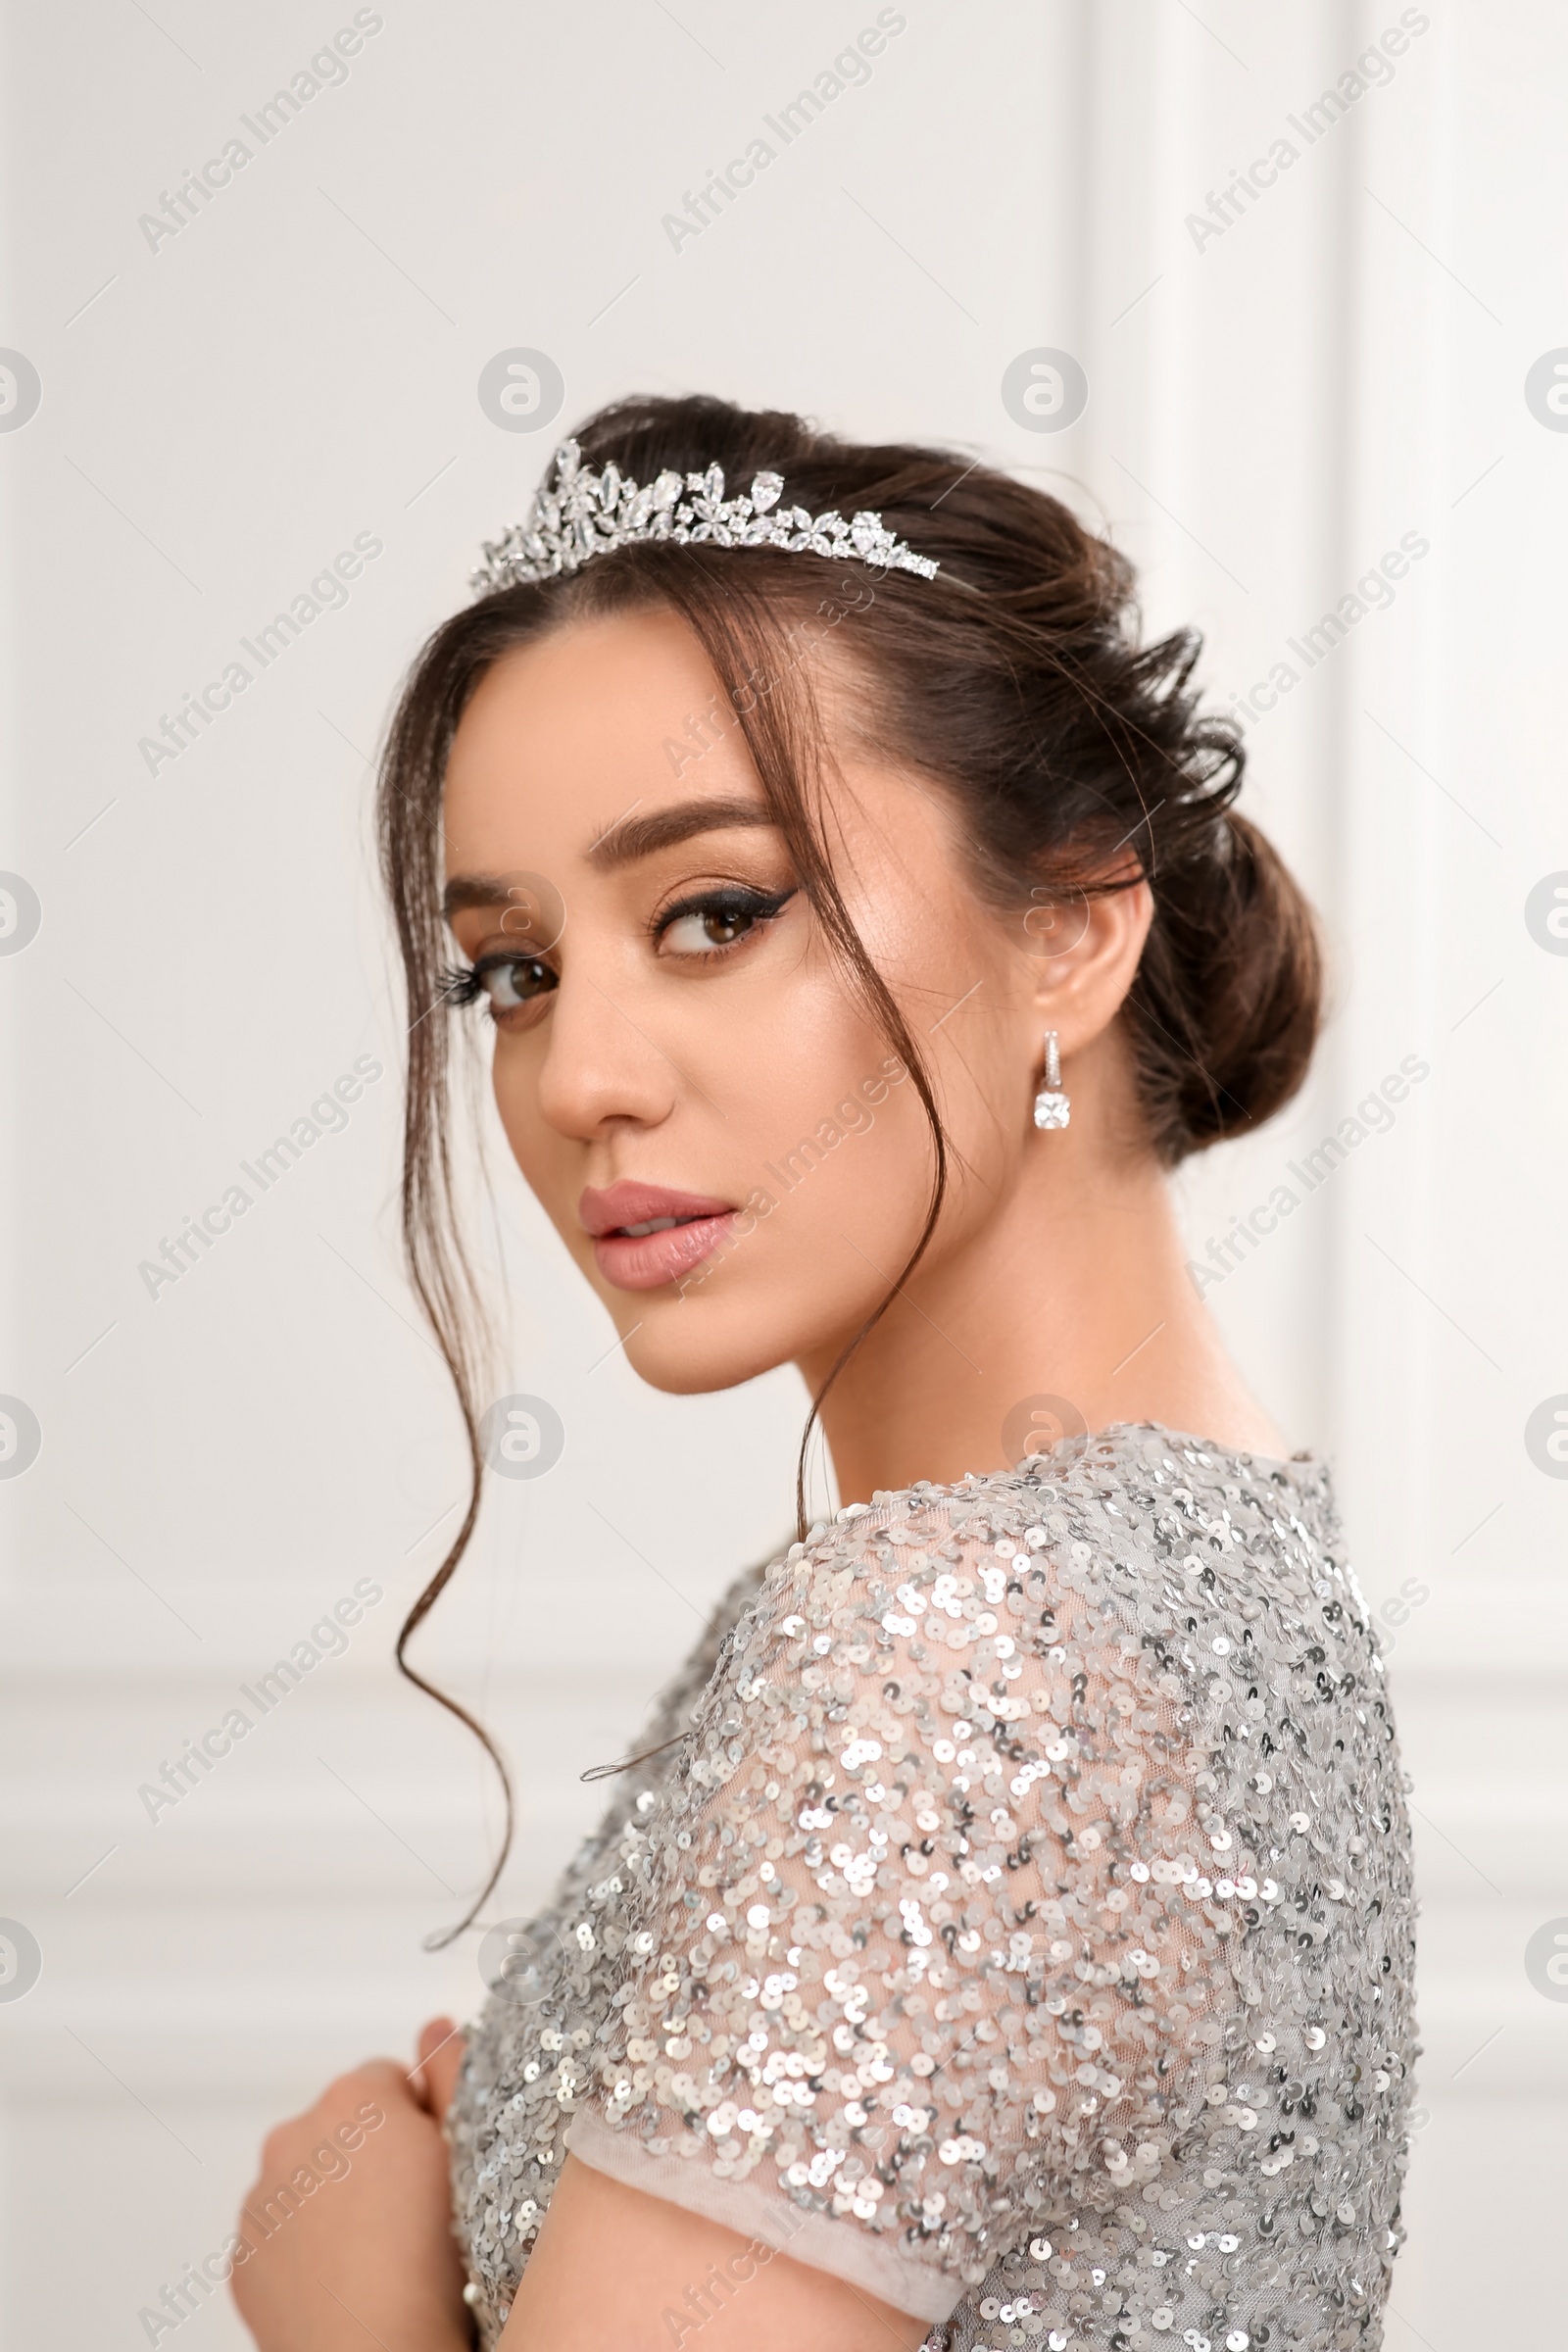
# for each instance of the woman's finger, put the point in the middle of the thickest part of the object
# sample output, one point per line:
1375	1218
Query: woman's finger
382	2078
441	2047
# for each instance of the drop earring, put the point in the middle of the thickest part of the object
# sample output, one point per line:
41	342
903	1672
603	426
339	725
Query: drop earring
1052	1106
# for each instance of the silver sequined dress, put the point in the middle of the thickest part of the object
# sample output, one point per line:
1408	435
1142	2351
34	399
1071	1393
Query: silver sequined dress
1019	1926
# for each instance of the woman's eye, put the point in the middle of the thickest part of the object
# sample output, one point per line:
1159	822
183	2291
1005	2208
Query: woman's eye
719	928
709	926
511	981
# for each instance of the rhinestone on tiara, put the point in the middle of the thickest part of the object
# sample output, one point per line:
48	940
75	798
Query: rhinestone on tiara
577	515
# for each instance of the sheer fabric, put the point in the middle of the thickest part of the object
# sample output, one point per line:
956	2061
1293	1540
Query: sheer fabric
1020	1927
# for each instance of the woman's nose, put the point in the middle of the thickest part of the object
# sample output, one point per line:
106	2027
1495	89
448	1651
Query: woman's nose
602	1063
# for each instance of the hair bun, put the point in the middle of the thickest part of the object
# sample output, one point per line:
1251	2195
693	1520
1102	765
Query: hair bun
1234	970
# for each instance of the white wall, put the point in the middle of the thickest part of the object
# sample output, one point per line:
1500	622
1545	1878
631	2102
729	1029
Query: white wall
1268	414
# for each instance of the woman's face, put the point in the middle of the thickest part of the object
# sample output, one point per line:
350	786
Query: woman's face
674	1039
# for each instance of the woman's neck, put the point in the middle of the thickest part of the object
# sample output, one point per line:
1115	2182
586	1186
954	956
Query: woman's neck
1072	1292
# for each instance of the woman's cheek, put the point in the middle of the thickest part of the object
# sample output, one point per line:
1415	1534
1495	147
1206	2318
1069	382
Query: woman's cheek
512	1082
857	1173
502	1095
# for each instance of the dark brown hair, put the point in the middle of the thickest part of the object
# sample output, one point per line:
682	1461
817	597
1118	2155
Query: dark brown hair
1015	680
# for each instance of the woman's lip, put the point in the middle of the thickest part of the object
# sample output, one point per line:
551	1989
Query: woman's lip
630	1202
649	1261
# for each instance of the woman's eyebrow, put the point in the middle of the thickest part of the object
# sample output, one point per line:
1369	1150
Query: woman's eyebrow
632	836
477	890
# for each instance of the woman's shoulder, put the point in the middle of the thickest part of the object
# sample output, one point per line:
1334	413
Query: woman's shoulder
1137	1514
673	1706
962	1774
1169	1597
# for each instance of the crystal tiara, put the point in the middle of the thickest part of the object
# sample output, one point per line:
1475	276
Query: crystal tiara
577	515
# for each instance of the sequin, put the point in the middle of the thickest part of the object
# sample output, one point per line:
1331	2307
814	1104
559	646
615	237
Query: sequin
1023	1904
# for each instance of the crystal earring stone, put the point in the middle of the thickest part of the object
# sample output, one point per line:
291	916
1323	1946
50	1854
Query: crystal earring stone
1052	1106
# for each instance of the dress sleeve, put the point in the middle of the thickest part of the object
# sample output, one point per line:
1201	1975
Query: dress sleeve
921	1962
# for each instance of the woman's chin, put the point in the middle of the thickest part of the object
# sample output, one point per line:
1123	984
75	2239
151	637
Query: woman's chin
686	1344
690	1363
693	1337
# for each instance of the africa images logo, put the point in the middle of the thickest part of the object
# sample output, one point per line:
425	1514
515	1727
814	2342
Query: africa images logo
327	1115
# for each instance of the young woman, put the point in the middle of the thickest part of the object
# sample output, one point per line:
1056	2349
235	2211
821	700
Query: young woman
1003	1933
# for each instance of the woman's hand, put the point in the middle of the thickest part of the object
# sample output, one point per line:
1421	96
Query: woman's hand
349	2228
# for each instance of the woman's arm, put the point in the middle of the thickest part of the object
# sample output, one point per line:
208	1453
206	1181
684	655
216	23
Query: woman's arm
615	2270
349	2235
939	1959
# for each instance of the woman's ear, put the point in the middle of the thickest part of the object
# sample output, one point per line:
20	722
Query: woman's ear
1084	949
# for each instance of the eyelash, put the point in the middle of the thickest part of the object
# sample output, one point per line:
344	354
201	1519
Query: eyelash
733	898
465	984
